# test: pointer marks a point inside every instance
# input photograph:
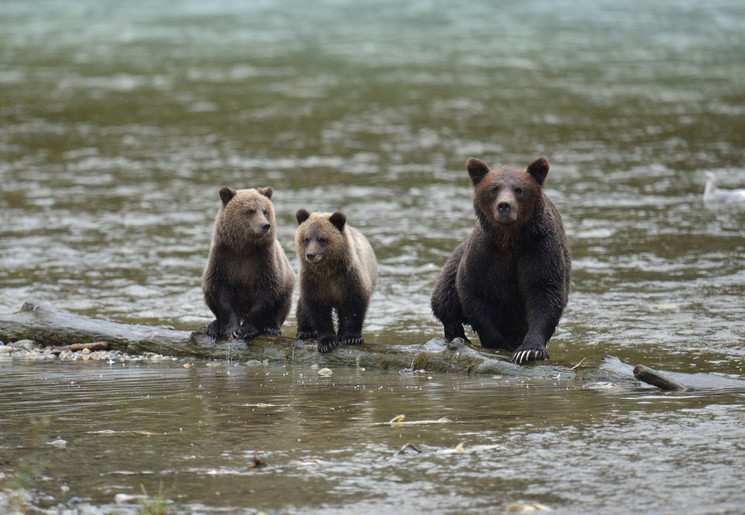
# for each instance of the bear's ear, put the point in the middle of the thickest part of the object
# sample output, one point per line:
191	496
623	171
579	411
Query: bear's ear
267	192
338	219
538	169
302	215
226	194
477	170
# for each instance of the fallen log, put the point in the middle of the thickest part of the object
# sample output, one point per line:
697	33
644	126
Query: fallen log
656	378
50	326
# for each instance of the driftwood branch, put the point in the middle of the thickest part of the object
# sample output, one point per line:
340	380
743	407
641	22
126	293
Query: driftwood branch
656	378
50	326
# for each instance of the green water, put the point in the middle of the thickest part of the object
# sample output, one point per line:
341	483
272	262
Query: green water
119	121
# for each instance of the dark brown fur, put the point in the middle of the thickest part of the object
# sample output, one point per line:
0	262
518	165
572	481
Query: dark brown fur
510	280
248	280
337	272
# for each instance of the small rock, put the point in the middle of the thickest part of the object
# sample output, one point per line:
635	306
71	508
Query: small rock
5	349
325	372
59	443
25	344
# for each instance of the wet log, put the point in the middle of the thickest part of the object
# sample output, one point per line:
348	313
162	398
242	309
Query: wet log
50	326
655	378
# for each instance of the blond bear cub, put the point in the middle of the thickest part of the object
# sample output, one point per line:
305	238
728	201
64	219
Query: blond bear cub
338	270
248	280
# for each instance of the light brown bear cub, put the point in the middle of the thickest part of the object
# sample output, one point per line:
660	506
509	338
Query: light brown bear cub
338	270
248	279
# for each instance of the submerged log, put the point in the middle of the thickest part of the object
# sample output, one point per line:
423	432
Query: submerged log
50	326
656	378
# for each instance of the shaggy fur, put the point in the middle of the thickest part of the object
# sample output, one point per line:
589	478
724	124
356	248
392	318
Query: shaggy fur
248	280
338	270
510	280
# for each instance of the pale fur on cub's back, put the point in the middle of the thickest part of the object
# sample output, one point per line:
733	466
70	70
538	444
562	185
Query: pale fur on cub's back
248	280
338	271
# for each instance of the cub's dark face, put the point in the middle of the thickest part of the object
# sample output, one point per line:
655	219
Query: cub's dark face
319	237
507	195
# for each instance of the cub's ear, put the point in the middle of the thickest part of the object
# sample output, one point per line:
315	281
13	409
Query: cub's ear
338	219
477	170
267	192
538	169
226	194
302	215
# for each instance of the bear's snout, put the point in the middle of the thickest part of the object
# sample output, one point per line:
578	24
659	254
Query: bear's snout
265	227
506	211
312	258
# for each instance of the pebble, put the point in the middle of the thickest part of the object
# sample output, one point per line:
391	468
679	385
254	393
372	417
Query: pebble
30	350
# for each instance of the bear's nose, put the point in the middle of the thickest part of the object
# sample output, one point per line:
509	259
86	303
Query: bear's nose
310	257
266	226
504	207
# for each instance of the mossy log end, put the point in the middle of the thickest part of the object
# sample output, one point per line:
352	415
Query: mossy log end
48	325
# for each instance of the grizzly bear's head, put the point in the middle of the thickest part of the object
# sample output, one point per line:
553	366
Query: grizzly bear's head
319	237
506	196
246	216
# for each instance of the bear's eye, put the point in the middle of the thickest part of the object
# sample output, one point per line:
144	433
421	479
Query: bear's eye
323	241
306	240
250	212
495	189
266	213
518	191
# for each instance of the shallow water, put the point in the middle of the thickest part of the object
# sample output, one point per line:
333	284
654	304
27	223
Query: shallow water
120	121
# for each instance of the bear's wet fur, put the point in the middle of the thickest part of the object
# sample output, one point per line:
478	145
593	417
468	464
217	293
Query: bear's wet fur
248	280
510	279
338	271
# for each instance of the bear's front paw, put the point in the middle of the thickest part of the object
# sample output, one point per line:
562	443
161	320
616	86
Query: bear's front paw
245	333
272	331
524	354
217	331
327	343
352	340
306	334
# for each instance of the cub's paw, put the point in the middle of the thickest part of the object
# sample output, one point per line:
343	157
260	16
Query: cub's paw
453	331
245	333
272	331
327	343
217	331
524	355
351	340
306	334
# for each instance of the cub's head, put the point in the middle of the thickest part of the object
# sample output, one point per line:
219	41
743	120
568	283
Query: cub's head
246	215
319	238
506	196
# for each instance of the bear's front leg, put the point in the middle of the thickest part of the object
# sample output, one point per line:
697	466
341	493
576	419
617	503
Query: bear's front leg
323	323
305	330
226	320
351	319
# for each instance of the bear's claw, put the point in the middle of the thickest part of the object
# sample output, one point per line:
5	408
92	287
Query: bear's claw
523	356
352	340
327	345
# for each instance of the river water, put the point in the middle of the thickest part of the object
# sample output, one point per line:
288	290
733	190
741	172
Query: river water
119	121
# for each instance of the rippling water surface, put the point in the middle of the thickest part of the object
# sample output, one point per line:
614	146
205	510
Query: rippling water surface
119	121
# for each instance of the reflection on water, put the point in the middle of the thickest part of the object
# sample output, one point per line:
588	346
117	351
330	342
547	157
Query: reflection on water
329	445
120	121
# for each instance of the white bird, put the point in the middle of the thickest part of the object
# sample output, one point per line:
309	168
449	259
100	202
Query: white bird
714	195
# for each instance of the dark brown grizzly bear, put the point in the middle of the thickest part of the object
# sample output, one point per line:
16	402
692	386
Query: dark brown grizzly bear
338	270
248	279
510	280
